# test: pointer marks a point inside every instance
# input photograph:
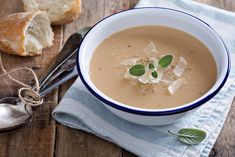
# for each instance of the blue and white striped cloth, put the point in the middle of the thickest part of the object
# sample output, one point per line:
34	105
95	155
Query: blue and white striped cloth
79	110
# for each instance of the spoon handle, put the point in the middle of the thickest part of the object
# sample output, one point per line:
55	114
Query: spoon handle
66	67
67	77
67	51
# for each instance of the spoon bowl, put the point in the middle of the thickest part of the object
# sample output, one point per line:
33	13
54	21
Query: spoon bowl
13	114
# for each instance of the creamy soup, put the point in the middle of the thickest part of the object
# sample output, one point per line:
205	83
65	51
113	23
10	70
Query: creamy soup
182	68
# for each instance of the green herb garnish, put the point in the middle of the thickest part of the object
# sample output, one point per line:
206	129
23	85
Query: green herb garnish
190	136
154	74
137	70
165	61
151	66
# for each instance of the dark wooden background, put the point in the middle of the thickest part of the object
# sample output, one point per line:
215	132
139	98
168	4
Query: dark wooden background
46	138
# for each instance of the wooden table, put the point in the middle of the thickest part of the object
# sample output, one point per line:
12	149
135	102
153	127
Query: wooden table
46	138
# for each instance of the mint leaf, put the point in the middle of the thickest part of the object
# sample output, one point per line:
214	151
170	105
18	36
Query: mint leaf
137	70
151	66
154	74
165	61
190	136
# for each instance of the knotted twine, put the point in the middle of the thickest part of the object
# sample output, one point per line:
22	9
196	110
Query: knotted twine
27	94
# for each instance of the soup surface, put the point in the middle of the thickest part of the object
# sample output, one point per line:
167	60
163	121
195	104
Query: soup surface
114	57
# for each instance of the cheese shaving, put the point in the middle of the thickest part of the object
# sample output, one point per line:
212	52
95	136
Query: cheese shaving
151	49
175	86
146	77
160	72
163	73
167	79
180	67
130	61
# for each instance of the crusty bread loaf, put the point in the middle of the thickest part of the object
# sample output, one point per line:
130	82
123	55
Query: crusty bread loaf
59	11
25	33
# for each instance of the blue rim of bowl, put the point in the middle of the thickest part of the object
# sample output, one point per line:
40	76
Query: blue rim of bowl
157	113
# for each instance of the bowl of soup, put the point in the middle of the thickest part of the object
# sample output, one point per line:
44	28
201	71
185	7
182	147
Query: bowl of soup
152	66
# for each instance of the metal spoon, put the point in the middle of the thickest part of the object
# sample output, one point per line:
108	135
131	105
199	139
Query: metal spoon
67	67
14	114
69	49
62	58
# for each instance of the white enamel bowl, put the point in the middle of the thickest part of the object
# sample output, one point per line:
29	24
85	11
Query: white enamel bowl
153	16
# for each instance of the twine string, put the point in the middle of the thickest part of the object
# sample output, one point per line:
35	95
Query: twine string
28	95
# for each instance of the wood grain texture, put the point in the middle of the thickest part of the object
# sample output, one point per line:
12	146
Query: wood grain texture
223	4
222	147
225	144
39	137
46	138
87	144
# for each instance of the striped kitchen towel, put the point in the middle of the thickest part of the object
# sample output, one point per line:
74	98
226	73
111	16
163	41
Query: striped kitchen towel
80	110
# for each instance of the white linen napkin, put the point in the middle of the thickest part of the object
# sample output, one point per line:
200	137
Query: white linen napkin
80	110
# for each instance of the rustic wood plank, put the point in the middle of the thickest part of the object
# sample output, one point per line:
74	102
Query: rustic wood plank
10	6
38	138
126	153
74	142
224	146
223	4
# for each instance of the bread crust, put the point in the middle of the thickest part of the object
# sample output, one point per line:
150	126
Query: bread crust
12	32
13	29
69	16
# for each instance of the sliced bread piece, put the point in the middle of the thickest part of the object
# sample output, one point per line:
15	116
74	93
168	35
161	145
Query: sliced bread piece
59	11
25	33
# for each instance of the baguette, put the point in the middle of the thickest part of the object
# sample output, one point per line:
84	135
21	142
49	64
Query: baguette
25	33
59	11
